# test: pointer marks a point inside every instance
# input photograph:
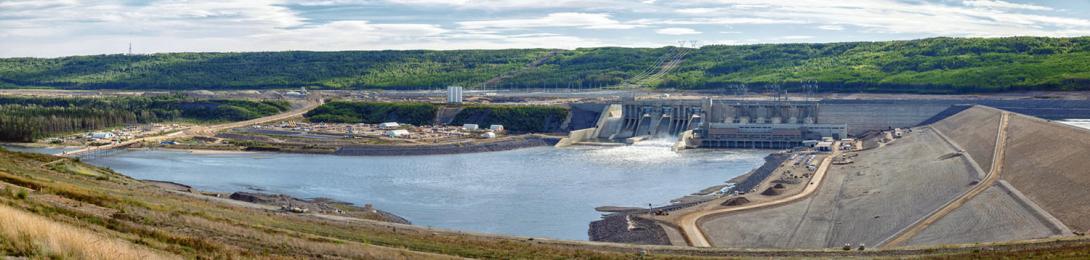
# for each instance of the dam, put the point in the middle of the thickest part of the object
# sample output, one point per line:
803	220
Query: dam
730	123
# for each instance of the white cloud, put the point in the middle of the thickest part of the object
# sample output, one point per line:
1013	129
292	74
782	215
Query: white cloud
677	31
1004	5
60	28
578	20
797	37
717	21
67	27
348	35
891	16
500	5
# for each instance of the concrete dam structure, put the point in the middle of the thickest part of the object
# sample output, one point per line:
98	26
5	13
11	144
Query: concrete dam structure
658	118
719	123
980	175
782	124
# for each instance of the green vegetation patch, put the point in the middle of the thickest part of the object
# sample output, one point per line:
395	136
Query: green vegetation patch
373	113
75	168
343	69
514	118
23	119
935	65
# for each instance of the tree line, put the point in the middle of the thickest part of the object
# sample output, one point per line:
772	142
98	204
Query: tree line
925	65
373	112
24	119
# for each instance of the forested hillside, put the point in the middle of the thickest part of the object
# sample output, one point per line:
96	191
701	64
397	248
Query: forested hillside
519	119
25	119
373	113
927	65
347	69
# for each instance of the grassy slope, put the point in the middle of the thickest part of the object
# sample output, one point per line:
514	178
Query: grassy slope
123	209
60	213
26	234
57	213
927	65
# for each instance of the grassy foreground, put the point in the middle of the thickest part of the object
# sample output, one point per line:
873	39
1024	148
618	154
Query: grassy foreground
52	207
26	234
49	211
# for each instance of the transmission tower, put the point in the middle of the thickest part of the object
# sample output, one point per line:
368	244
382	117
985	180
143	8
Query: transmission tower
810	86
773	89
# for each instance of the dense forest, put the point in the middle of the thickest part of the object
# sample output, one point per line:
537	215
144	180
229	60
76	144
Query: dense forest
927	65
23	119
373	113
520	119
514	118
346	69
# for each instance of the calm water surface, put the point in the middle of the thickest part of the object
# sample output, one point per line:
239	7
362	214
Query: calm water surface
539	192
38	149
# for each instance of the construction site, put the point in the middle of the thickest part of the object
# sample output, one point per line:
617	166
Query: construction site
976	174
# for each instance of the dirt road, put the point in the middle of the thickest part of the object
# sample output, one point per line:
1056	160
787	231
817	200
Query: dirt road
696	237
989	180
202	130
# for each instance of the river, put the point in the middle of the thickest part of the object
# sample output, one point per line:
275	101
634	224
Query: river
536	192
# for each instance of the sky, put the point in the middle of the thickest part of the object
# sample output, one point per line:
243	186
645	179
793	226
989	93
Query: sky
52	28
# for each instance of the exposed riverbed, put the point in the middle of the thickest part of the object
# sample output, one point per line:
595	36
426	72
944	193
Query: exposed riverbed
537	192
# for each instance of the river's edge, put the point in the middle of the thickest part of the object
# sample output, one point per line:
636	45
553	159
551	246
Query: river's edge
396	150
511	143
288	203
614	226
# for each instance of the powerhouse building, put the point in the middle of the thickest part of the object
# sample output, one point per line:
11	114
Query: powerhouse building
722	123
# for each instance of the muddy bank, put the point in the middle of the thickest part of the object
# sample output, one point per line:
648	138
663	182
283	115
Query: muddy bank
615	225
248	143
755	177
502	145
286	203
631	230
318	205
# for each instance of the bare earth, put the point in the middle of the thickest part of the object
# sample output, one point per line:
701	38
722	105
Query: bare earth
885	190
1050	164
974	130
993	216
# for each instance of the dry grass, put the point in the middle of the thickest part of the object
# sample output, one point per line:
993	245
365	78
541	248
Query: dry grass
25	234
106	213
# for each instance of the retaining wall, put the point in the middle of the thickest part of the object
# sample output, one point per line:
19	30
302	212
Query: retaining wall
865	115
576	136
